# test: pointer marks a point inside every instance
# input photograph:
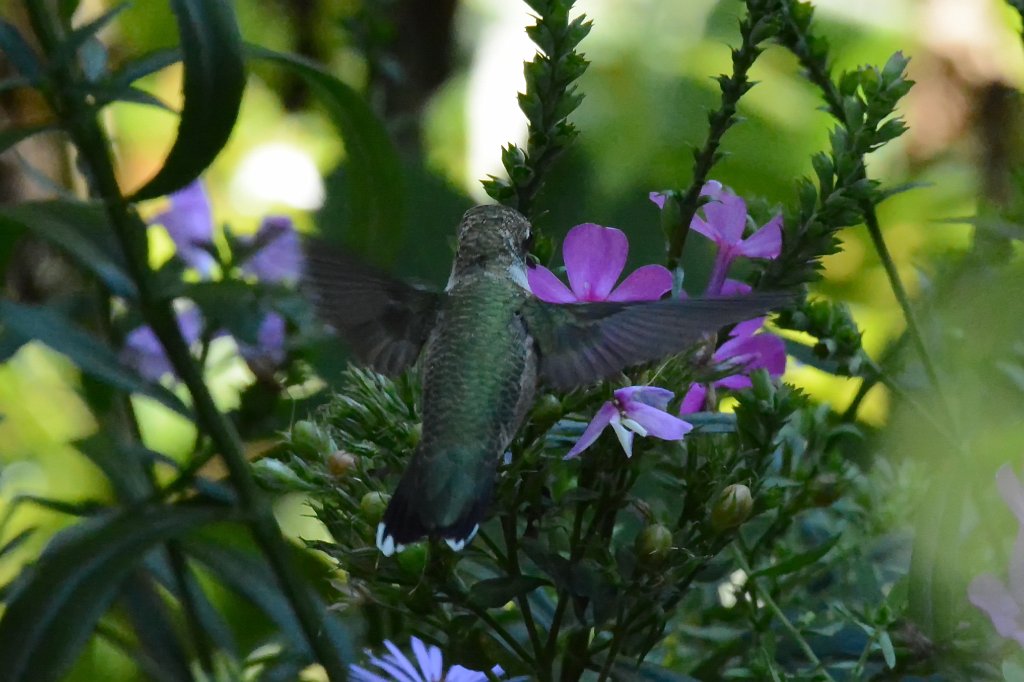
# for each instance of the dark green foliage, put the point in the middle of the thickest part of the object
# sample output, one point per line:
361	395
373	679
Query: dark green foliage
549	99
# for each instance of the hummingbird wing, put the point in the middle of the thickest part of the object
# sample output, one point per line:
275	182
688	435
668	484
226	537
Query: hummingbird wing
580	343
384	320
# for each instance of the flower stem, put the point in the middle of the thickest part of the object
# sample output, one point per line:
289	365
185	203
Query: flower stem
764	596
94	147
755	28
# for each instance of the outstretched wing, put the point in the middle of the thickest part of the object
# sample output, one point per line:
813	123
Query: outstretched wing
385	321
580	343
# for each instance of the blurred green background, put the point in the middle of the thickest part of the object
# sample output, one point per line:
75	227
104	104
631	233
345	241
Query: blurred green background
445	83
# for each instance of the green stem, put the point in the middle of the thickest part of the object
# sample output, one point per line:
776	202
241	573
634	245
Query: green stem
94	147
764	596
512	567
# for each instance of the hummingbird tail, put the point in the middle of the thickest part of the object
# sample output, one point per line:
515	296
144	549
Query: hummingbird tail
408	518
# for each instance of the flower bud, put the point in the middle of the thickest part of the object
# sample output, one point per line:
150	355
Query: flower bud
547	409
373	505
309	436
733	507
413	559
654	543
341	463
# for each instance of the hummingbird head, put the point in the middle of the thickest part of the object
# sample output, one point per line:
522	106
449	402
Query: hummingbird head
492	238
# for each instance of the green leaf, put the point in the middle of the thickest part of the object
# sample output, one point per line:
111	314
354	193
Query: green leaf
888	652
12	136
157	640
248	576
213	85
82	35
81	232
372	165
496	592
30	323
16	542
151	62
795	563
54	604
19	53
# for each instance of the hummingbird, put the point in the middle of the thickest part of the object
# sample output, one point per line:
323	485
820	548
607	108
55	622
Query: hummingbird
484	346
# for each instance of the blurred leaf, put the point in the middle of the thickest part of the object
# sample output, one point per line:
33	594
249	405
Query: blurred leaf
19	53
16	542
372	165
54	604
496	592
213	85
80	231
888	652
151	625
231	305
66	10
12	136
105	95
81	35
128	480
795	563
151	62
89	354
249	576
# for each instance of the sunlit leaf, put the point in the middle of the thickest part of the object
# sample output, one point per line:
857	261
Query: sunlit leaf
54	604
88	353
213	84
372	166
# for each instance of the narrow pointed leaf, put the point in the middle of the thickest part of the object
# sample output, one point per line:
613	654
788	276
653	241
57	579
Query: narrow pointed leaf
213	84
54	604
372	166
795	563
80	231
49	327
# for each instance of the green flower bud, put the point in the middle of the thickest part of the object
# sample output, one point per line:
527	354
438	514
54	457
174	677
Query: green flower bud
308	436
341	463
733	507
654	543
547	409
373	505
413	559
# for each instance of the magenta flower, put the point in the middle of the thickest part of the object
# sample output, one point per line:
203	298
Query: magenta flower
269	352
634	410
278	257
189	222
428	667
725	218
1004	602
745	351
143	351
594	258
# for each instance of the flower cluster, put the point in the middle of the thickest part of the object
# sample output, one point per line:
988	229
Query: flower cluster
594	259
428	667
272	255
1002	601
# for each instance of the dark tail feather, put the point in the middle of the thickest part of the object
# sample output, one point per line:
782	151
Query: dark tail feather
406	520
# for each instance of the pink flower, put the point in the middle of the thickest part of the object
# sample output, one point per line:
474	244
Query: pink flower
725	218
1004	602
745	351
634	410
594	258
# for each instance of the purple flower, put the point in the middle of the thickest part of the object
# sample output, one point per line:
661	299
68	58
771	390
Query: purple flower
143	351
189	222
269	352
278	257
428	667
634	409
594	258
1004	603
744	352
725	218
